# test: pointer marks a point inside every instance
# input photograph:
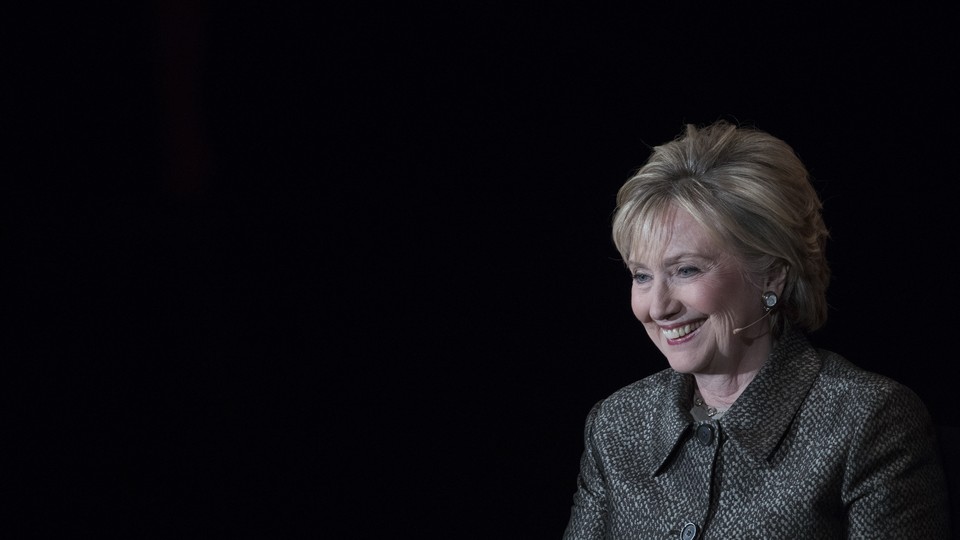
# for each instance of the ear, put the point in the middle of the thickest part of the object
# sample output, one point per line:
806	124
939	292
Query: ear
776	280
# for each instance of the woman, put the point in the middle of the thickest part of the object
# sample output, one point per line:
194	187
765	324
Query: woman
752	432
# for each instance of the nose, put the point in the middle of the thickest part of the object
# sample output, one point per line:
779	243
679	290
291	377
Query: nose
663	305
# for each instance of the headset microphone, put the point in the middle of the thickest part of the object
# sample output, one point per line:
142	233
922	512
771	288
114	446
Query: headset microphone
742	328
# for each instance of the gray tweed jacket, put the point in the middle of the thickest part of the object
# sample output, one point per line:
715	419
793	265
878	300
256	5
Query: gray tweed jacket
815	447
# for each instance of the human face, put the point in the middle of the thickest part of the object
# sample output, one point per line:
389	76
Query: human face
690	295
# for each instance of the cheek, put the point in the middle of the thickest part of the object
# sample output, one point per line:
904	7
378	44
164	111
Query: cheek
640	307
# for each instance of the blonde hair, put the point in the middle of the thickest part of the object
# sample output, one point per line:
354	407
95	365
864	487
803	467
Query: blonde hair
750	190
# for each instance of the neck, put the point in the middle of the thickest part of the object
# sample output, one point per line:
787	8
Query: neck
730	373
721	391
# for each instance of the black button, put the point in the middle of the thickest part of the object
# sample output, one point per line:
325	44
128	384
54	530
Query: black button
689	531
705	434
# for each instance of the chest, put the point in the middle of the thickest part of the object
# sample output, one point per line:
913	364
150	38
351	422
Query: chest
713	482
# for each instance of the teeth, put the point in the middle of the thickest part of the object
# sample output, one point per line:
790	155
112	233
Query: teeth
681	331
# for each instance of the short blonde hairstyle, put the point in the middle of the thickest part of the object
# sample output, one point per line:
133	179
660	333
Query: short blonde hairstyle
752	192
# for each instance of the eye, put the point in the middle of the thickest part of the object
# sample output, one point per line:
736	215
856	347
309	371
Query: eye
688	271
640	278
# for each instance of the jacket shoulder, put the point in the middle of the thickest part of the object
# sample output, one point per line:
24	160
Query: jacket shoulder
644	390
637	400
838	372
861	390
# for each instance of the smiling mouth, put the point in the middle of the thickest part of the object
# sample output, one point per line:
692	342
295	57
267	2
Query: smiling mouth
680	331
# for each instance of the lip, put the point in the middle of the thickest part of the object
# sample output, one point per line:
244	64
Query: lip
676	334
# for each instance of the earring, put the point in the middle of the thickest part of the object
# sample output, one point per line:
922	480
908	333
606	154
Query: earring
769	300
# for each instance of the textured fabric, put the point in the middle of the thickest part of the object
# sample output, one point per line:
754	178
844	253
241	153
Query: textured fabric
814	447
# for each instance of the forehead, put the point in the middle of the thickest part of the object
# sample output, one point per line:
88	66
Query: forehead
670	234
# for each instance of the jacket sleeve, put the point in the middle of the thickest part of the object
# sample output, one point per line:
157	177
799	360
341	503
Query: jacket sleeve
894	485
589	512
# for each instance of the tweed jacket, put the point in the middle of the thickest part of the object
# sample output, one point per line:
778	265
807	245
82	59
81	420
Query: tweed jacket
814	447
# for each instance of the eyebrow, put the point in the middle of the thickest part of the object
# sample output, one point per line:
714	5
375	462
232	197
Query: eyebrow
673	259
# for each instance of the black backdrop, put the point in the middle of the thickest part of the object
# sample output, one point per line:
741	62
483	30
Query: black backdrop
335	272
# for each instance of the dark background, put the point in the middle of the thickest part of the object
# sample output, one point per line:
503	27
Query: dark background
339	272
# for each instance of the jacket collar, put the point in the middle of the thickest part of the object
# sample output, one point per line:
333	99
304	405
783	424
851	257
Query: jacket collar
673	418
760	417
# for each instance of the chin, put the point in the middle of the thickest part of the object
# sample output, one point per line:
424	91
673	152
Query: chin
684	365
